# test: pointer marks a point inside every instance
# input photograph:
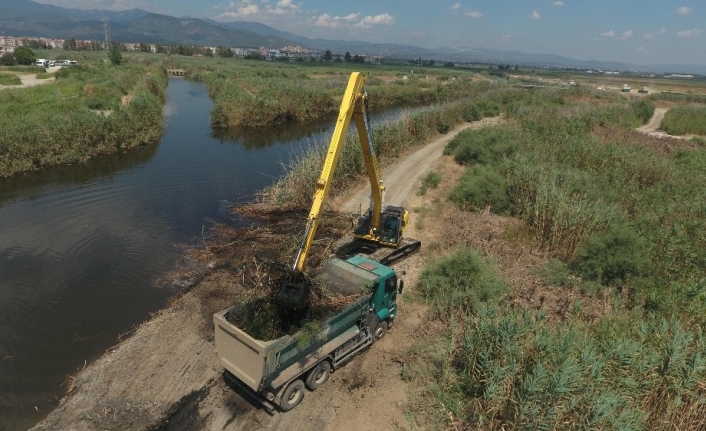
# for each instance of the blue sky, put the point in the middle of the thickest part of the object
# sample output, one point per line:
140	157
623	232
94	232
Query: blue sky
633	31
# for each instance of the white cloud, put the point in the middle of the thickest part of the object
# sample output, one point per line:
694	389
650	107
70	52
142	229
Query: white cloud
249	8
534	15
652	36
382	19
628	33
117	5
506	38
418	33
558	3
690	33
330	21
640	48
455	7
684	11
608	34
474	14
353	20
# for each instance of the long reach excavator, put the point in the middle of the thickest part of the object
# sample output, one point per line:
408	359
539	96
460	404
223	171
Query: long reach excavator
379	227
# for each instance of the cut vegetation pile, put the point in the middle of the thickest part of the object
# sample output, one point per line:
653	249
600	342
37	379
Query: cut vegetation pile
250	264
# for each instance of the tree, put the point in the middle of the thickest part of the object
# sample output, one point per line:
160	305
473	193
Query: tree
144	47
7	59
115	56
25	56
70	44
224	51
327	55
347	57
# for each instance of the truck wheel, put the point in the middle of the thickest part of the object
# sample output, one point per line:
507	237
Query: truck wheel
318	375
380	331
292	395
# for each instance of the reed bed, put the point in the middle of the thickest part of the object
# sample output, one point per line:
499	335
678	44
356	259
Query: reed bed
685	120
623	214
90	110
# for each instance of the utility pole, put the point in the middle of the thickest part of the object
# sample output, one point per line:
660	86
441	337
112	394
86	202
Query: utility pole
106	30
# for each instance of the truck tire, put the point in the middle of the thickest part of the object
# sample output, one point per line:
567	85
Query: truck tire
318	375
380	331
292	396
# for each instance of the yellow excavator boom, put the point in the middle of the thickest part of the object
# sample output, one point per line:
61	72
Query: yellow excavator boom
353	106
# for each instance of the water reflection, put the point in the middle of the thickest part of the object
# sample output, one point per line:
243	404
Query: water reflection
30	185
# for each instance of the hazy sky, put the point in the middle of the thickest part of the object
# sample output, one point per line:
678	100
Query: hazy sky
633	31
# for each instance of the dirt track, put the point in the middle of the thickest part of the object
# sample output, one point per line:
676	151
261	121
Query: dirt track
167	376
31	80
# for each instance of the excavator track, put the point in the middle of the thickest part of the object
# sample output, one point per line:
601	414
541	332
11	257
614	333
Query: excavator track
385	255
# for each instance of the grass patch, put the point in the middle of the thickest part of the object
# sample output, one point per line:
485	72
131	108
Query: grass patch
462	281
685	120
430	181
9	79
43	75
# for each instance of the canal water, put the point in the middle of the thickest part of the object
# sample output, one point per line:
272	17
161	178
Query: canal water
82	246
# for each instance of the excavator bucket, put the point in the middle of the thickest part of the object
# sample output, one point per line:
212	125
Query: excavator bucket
294	292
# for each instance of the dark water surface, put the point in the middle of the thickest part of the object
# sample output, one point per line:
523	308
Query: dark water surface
82	246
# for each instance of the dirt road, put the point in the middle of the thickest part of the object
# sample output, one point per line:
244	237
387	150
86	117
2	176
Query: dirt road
167	376
31	79
652	126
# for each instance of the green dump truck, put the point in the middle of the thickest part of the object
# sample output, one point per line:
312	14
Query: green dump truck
278	371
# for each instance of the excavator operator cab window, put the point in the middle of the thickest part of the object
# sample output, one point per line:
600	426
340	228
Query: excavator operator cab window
390	229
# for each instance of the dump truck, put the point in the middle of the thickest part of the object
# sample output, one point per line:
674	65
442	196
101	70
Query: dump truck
276	372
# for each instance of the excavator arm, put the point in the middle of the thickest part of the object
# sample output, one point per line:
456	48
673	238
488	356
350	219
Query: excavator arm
353	106
379	226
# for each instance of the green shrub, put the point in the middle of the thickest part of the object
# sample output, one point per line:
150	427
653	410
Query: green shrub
556	273
612	257
481	187
485	146
643	109
472	113
685	119
9	79
461	281
431	180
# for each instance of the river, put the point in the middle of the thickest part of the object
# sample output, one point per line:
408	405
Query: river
82	246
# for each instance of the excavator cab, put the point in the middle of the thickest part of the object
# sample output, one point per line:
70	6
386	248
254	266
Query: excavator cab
394	222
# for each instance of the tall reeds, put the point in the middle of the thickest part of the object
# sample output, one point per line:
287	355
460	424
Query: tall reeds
81	115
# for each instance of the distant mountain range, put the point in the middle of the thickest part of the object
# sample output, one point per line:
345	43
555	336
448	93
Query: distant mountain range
31	19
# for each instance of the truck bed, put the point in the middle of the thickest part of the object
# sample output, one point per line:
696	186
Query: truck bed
260	363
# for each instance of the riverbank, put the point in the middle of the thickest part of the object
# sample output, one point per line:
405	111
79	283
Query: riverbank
82	112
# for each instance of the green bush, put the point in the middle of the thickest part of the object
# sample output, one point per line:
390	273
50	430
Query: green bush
8	79
431	180
485	146
685	119
613	256
643	109
480	187
461	281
